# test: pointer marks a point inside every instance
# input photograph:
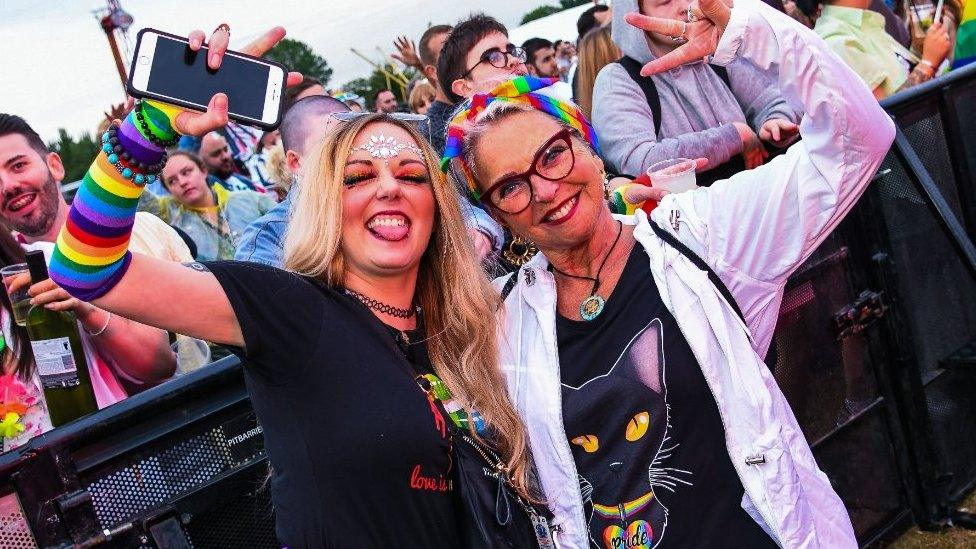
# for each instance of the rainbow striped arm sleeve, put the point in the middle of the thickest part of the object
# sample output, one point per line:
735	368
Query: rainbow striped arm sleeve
91	254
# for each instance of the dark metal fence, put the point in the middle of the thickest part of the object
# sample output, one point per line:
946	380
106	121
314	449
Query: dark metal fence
181	465
876	331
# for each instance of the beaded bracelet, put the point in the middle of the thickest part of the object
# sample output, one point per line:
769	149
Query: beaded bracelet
147	130
112	136
129	167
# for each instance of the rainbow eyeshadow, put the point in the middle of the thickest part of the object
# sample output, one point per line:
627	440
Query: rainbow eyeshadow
357	177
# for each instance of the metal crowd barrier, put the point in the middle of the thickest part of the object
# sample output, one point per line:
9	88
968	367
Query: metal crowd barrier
877	331
181	465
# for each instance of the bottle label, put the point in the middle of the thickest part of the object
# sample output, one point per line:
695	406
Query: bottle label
55	362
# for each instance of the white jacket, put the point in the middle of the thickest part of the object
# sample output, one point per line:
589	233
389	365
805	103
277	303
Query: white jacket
754	230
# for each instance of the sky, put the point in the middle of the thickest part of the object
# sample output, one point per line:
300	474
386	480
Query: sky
58	70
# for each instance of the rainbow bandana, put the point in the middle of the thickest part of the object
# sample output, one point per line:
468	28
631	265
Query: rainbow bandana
518	90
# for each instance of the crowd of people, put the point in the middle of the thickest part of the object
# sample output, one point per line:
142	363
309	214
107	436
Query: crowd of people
367	231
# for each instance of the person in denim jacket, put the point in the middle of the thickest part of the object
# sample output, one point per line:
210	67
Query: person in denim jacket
212	216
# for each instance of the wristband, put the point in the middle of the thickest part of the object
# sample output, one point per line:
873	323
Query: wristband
91	254
619	203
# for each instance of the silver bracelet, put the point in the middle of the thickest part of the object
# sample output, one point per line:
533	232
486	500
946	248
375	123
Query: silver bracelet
105	327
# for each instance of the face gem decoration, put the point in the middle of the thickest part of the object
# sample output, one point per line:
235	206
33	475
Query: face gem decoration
387	147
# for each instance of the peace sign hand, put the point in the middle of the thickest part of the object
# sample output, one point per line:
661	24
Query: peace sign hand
702	33
196	123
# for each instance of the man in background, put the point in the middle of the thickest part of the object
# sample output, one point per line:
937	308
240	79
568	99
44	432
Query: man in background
439	113
385	102
220	164
302	128
724	114
123	356
597	16
540	58
478	56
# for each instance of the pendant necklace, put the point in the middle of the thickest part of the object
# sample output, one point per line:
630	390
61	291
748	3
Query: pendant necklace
592	306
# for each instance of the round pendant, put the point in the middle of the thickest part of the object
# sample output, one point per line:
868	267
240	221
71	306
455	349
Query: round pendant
591	307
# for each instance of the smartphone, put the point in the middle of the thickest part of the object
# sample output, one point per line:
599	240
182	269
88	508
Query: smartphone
164	68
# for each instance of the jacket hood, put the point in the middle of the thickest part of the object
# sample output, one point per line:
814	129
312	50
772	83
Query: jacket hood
631	40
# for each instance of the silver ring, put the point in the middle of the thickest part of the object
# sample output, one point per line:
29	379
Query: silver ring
681	37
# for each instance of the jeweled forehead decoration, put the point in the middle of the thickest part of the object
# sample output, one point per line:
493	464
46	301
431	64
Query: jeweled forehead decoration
387	147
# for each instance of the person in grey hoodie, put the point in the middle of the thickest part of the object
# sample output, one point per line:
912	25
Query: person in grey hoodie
704	113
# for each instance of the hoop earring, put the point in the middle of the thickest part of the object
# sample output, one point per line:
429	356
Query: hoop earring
519	251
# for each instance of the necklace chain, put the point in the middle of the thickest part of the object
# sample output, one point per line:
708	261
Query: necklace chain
592	306
382	307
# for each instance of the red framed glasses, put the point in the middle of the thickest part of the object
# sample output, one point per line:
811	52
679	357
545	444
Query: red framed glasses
553	161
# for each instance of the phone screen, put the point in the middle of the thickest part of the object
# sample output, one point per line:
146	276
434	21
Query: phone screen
181	74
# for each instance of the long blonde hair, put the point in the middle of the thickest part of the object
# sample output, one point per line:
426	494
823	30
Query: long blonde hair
596	50
458	302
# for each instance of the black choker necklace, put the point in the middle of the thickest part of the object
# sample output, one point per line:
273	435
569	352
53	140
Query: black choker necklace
592	306
382	307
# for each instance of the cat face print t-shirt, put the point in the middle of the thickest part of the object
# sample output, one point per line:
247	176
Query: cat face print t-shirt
644	428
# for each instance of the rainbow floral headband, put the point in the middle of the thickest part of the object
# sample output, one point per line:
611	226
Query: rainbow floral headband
521	90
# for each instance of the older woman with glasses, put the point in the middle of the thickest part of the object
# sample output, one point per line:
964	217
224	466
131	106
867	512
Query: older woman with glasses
632	345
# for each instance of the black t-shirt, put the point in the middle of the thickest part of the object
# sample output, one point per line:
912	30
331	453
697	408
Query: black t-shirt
645	431
358	459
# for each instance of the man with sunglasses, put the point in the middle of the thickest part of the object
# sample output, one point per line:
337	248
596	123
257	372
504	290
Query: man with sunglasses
476	57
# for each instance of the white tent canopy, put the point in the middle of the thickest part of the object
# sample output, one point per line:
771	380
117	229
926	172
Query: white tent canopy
558	26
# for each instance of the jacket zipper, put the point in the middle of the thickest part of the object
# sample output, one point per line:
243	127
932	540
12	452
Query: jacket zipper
721	416
563	441
492	458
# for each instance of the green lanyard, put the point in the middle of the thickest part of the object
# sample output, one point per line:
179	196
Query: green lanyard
435	388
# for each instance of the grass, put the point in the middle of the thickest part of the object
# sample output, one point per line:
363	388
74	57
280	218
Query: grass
950	537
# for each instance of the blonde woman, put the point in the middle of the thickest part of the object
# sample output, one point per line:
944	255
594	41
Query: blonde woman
421	97
596	50
381	294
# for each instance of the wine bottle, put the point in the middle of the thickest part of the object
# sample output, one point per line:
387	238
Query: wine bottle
59	356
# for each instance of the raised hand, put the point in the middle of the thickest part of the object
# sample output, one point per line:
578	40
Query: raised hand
779	132
195	123
642	191
407	52
753	152
701	35
119	111
936	46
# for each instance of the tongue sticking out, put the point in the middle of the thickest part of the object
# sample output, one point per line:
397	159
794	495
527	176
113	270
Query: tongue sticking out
387	232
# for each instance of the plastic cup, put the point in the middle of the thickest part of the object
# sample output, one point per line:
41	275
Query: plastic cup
676	175
191	353
20	300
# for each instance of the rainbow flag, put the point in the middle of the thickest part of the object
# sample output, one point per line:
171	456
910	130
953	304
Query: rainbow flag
966	37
